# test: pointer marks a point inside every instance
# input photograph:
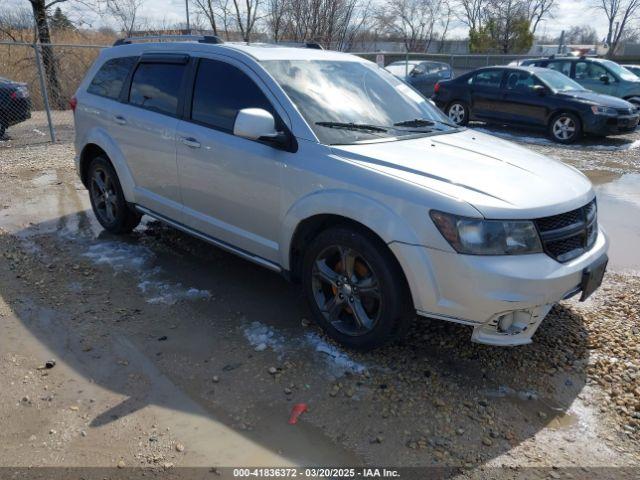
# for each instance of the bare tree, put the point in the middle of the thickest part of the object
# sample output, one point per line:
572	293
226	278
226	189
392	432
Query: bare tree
208	8
246	15
276	11
619	13
472	12
17	25
413	21
125	13
538	10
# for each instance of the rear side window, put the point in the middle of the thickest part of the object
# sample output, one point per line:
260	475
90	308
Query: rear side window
109	79
156	86
561	66
488	78
220	90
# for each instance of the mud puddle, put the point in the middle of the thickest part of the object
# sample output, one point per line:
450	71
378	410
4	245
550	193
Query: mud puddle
619	214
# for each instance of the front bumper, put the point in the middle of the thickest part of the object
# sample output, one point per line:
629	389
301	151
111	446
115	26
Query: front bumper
610	125
479	290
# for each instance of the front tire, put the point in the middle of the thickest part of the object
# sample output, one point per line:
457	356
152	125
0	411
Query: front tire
458	112
107	199
355	288
565	128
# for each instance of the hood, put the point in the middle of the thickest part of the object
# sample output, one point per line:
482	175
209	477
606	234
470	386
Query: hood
500	179
597	98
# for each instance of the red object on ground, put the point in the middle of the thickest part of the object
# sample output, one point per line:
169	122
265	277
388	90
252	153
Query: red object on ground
297	410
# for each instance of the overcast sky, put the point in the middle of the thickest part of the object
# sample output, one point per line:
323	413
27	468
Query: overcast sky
567	13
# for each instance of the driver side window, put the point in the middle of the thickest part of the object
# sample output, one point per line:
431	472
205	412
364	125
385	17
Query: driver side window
591	71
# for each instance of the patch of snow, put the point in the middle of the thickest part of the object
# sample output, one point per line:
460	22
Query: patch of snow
158	292
339	362
126	257
122	257
261	337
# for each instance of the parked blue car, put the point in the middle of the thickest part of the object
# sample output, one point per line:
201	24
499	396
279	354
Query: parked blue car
421	74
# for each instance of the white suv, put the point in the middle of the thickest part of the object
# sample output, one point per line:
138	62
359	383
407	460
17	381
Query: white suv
324	167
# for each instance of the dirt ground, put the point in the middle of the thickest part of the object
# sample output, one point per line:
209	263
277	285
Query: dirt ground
171	353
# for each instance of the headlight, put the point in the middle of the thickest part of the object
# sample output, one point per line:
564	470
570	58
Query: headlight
487	237
598	110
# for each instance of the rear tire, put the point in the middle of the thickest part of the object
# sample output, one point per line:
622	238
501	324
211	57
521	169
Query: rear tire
458	112
565	128
355	288
107	199
3	130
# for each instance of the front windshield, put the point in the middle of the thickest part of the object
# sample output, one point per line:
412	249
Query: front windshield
620	71
558	81
341	99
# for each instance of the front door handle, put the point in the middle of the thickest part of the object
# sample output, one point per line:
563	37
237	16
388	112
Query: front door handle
190	142
120	120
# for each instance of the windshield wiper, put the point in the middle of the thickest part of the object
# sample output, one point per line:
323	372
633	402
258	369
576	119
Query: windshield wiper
353	126
416	122
423	122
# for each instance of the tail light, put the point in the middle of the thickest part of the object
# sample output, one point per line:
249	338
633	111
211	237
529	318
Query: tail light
73	103
436	88
14	95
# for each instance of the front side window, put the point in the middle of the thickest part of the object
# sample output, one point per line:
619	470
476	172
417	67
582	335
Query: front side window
591	71
340	100
156	86
488	79
111	76
220	91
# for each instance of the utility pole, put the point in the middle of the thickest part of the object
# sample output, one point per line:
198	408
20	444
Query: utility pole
186	5
560	46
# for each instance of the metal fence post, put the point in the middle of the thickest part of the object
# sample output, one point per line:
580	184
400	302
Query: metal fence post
43	89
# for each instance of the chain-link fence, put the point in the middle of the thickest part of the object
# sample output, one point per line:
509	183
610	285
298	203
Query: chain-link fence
36	84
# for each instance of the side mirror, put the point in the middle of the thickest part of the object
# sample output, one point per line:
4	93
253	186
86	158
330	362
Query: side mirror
257	124
604	79
539	89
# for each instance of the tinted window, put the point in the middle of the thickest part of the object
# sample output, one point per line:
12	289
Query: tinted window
488	78
109	79
155	86
563	67
221	90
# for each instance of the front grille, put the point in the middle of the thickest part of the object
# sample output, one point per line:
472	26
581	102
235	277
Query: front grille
569	235
626	111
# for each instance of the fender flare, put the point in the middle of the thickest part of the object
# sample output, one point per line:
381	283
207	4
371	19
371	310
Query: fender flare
100	138
359	208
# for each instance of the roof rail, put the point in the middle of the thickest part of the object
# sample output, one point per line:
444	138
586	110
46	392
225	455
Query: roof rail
173	38
314	45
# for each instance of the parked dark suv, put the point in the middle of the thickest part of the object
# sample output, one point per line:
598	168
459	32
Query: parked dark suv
15	104
536	97
597	74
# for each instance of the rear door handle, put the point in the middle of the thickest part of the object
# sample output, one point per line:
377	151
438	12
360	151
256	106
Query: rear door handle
190	142
120	120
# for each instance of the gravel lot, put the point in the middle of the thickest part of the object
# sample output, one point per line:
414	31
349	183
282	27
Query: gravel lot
172	353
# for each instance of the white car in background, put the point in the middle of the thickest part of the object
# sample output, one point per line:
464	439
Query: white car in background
323	167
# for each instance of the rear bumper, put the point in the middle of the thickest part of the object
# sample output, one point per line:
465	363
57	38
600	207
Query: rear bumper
16	112
606	125
479	290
